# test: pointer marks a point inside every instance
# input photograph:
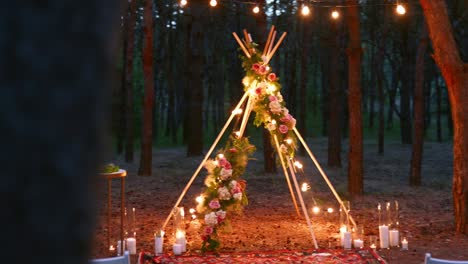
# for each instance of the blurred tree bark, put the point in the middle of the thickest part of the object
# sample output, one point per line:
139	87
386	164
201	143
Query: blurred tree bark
146	153
354	51
455	73
129	54
418	111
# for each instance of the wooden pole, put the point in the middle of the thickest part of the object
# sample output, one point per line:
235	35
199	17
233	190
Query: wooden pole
304	144
204	159
270	54
285	171
301	200
267	44
245	119
241	45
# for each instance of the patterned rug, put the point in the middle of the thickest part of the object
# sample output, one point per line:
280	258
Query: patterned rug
327	256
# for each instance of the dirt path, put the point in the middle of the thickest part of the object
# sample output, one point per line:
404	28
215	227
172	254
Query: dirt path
270	222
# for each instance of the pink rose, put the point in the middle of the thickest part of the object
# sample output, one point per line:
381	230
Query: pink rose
287	118
222	162
283	129
255	66
236	189
227	165
208	230
273	98
233	150
214	204
272	77
220	219
262	69
258	91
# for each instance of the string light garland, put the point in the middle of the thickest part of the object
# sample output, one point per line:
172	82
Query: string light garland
305	10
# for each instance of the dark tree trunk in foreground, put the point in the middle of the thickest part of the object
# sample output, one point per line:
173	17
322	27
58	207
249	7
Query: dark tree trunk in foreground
335	102
439	109
54	108
148	101
129	54
418	111
354	51
455	73
195	136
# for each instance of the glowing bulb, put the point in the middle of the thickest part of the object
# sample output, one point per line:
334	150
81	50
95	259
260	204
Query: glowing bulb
256	9
400	9
273	122
213	3
237	111
183	3
220	155
298	165
289	141
305	186
315	210
330	210
267	68
192	211
199	199
305	10
335	14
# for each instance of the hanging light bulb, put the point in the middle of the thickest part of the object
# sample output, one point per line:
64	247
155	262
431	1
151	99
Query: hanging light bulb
213	3
183	3
256	9
305	10
400	9
335	14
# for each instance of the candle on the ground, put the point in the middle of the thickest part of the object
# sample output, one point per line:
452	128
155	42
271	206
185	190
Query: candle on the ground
342	230
347	240
177	248
404	244
358	243
131	245
158	243
112	249
180	239
373	246
394	238
383	235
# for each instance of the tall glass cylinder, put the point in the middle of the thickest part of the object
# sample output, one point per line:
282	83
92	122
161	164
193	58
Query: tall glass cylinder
179	227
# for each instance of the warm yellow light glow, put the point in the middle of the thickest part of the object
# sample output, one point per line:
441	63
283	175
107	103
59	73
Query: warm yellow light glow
194	216
273	122
305	186
335	14
289	141
199	199
237	133
400	9
180	234
298	165
256	9
192	211
237	111
183	3
267	68
315	210
330	210
271	88
182	212
213	3
305	10
111	248
220	155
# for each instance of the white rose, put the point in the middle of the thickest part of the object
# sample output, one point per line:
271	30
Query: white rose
211	219
224	194
237	196
233	184
225	174
210	165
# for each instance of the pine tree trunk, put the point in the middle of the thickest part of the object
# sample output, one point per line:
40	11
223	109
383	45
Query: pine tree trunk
195	122
418	111
129	113
335	104
354	51
455	73
148	101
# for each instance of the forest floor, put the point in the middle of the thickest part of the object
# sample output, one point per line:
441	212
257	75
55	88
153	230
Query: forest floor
269	221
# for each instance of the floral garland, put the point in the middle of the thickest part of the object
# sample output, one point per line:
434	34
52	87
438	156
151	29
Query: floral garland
225	191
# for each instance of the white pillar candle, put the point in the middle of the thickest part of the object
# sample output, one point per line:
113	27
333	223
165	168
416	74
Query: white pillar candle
383	235
358	243
158	245
342	231
131	245
347	240
177	248
394	238
404	244
180	239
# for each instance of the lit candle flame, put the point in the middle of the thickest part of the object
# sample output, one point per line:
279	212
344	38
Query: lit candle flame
305	186
316	210
298	165
192	211
330	210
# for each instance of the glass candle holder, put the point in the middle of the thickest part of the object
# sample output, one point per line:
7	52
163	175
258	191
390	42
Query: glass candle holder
358	236
373	242
179	227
